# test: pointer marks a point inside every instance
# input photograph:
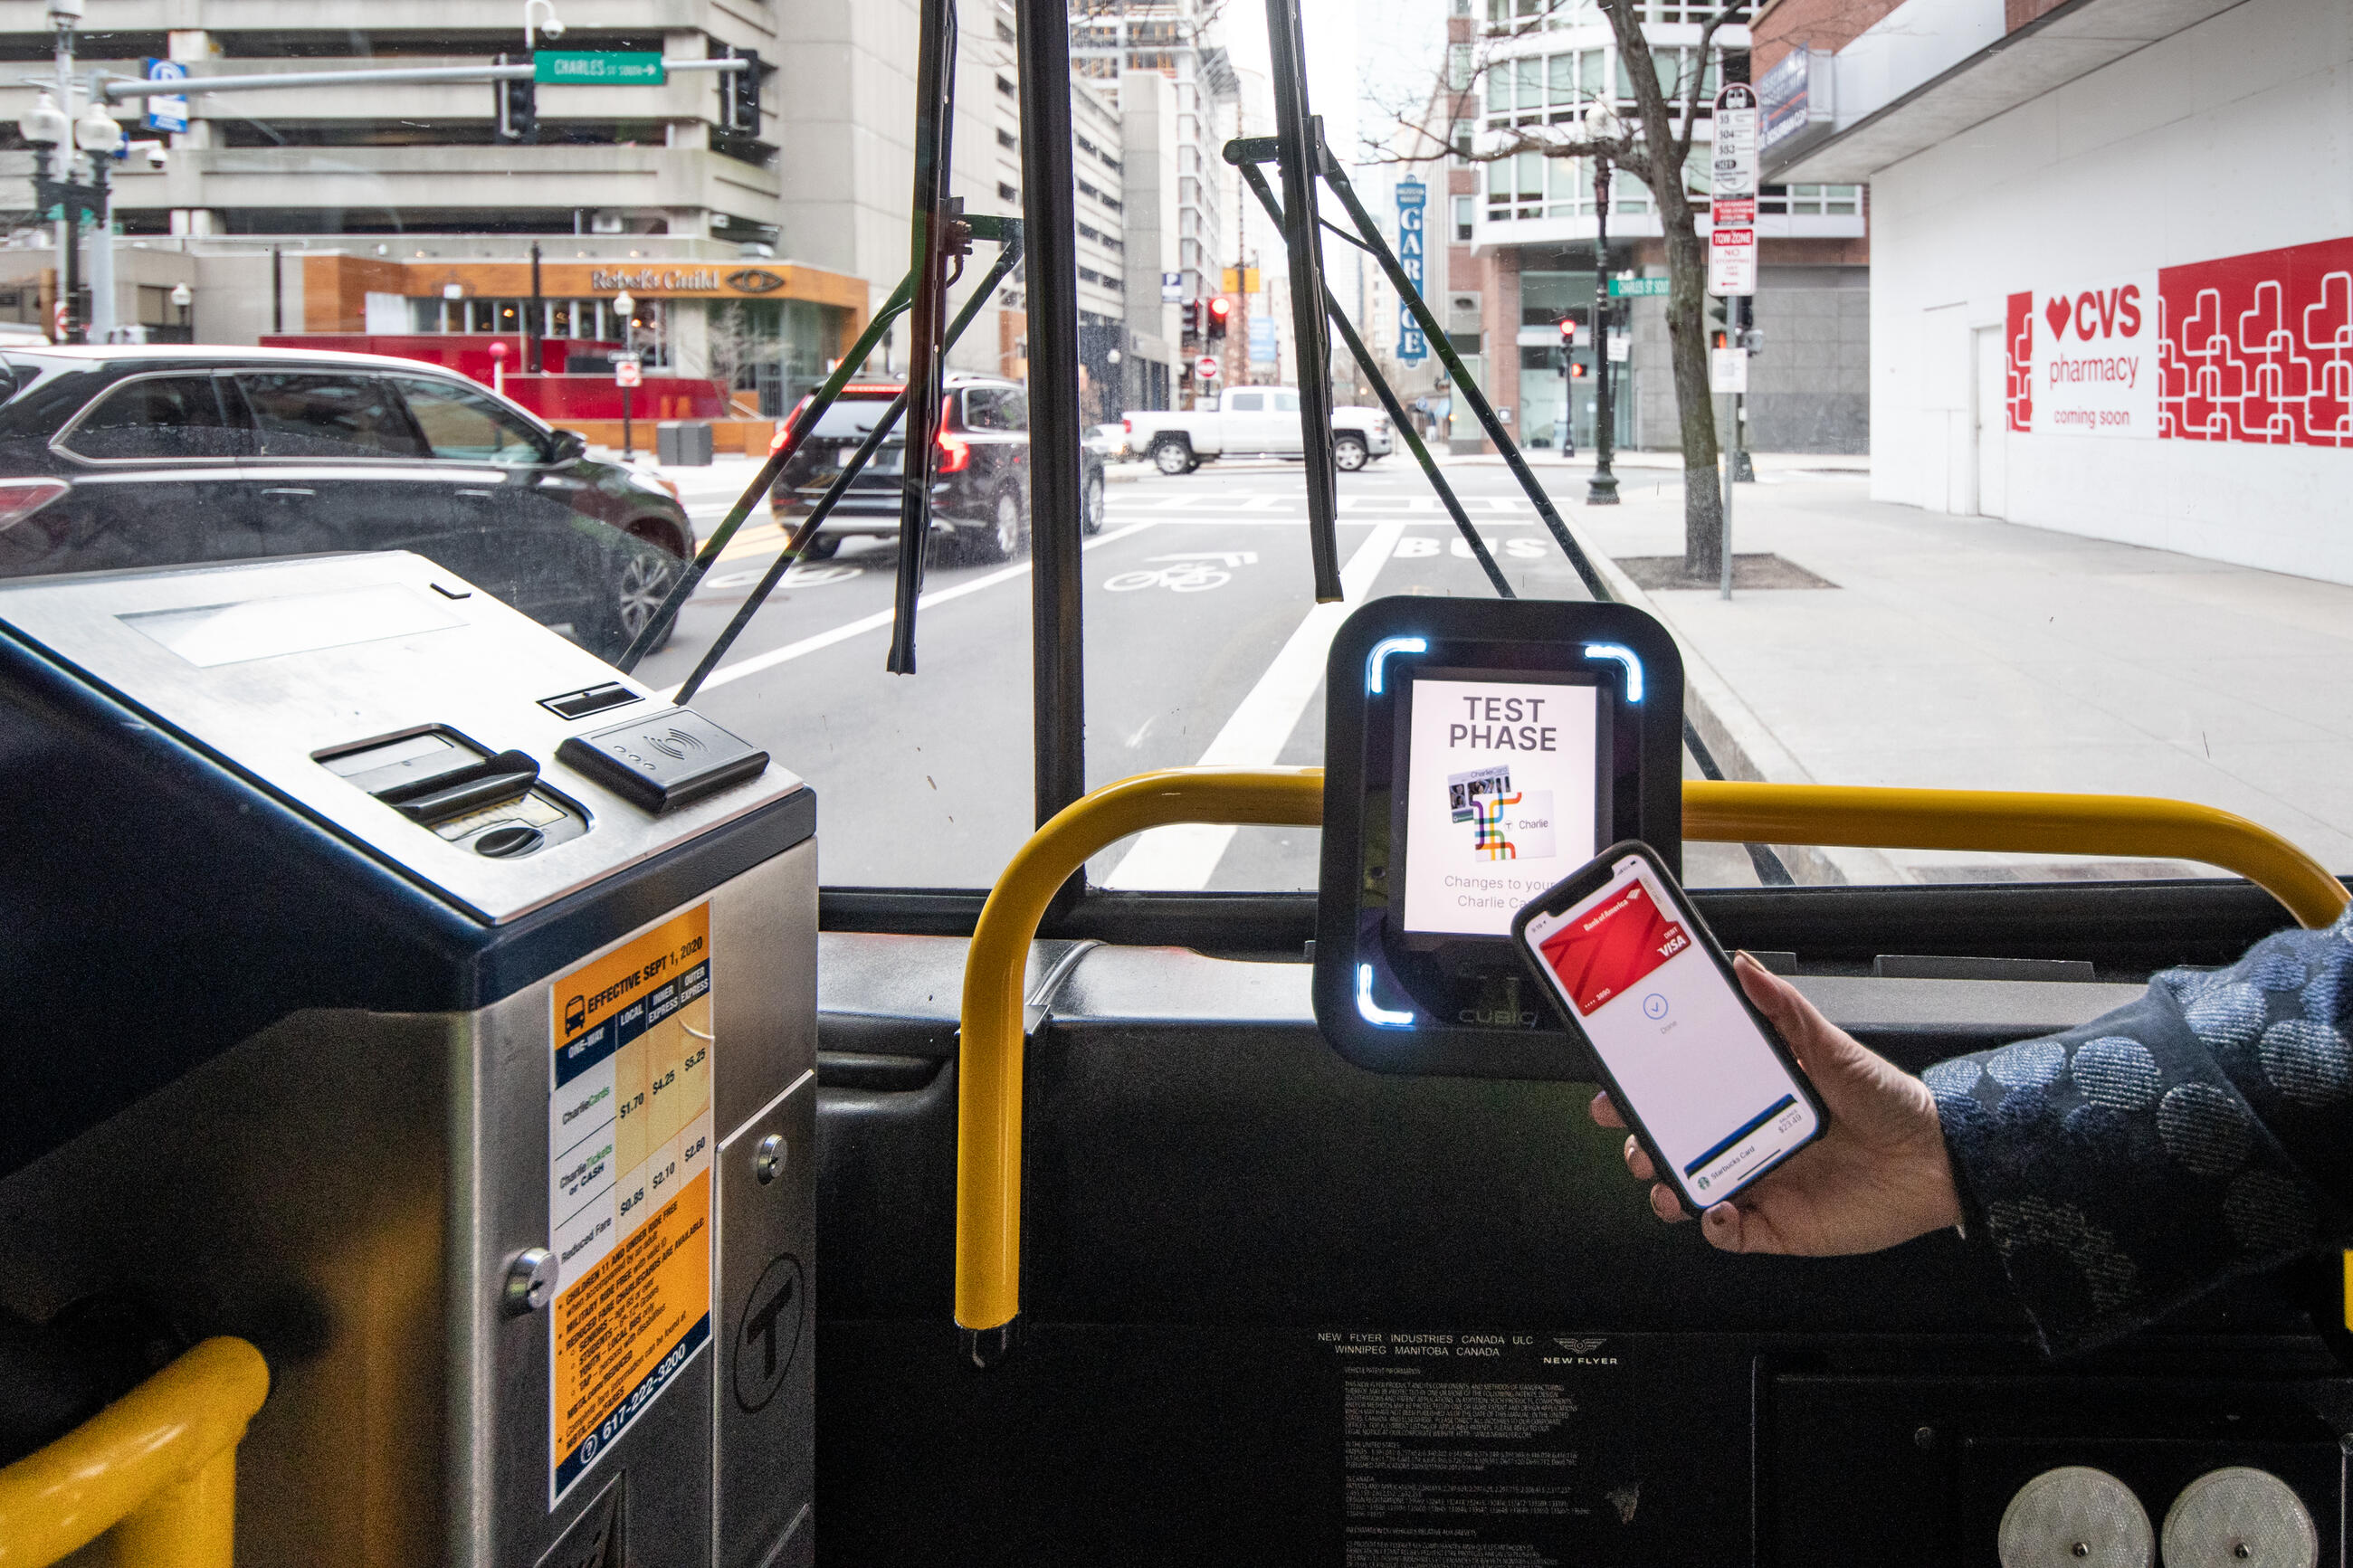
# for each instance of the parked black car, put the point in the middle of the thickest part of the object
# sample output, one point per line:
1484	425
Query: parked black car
980	494
159	456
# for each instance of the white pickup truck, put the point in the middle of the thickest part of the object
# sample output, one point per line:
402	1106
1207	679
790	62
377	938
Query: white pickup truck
1252	420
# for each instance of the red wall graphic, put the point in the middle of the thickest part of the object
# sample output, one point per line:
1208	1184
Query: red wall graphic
2256	348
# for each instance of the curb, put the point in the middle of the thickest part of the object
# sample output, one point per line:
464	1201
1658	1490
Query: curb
1742	744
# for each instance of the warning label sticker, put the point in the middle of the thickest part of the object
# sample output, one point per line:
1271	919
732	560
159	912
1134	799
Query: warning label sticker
628	1186
1487	1450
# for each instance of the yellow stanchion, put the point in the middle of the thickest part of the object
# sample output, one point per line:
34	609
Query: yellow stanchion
989	1111
158	1467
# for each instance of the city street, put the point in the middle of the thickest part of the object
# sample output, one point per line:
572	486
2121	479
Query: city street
1204	644
1905	649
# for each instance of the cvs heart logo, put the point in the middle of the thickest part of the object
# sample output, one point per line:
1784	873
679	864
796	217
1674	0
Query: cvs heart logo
2056	313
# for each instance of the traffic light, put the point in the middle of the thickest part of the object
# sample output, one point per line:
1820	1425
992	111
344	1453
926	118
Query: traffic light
1576	370
1567	331
1192	318
1719	310
739	93
516	107
1221	310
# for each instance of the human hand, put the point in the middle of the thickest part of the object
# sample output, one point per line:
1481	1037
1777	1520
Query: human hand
1878	1176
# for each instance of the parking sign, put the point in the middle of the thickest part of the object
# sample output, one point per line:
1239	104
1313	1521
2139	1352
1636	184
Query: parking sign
170	112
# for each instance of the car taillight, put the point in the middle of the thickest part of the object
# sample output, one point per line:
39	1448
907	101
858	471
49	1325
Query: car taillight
20	499
956	454
1128	425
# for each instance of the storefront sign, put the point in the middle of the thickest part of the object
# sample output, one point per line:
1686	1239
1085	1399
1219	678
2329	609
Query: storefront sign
1412	203
1795	102
2256	348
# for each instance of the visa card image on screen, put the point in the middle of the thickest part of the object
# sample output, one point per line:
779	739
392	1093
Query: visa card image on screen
1687	1057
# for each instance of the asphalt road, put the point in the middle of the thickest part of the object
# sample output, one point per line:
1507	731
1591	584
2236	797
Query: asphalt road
1203	644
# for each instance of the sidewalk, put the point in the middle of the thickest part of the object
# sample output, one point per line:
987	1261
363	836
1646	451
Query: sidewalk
1967	653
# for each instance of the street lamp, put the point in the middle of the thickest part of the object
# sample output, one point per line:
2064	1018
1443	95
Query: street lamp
45	126
97	132
1602	128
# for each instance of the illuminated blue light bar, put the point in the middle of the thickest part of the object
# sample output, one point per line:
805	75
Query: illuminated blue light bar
1381	651
1374	1013
1624	656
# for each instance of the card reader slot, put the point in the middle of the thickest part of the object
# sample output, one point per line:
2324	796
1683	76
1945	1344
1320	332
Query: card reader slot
503	777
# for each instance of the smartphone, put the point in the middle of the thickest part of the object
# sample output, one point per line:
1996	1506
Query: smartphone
1712	1091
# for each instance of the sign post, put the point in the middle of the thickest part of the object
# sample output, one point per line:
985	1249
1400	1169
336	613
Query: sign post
1732	270
628	373
1412	203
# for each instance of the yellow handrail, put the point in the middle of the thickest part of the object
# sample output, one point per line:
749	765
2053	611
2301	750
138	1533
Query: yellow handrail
2127	825
158	1467
988	1108
988	1062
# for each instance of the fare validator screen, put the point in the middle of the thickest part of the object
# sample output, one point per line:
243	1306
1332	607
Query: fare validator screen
1503	797
1716	1100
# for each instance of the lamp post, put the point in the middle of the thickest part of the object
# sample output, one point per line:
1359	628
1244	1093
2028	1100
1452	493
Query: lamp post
100	138
45	128
1601	126
182	298
626	305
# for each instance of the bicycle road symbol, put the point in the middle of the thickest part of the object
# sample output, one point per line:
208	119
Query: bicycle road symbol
1191	573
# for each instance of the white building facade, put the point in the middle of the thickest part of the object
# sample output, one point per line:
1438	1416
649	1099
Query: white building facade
2113	269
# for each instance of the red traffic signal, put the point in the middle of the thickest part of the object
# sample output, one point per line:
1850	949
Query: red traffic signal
1222	310
1577	371
1567	329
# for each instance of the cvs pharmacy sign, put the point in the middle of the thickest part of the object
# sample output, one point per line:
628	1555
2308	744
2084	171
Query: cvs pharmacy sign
2089	358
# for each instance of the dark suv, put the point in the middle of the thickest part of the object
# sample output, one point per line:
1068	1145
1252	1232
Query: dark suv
981	495
162	456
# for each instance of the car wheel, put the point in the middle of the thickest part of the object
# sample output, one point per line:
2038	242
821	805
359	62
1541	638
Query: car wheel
1349	453
1173	458
1007	533
637	591
1092	515
821	548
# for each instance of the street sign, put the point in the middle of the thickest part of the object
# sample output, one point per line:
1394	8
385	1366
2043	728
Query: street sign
1239	280
1731	212
167	113
1728	370
1412	203
1172	288
577	67
1621	348
1205	369
628	370
1637	288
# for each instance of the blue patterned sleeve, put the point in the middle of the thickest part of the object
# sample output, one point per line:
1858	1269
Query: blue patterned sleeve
2203	1132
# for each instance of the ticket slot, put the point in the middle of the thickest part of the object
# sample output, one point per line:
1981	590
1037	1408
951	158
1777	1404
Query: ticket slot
506	776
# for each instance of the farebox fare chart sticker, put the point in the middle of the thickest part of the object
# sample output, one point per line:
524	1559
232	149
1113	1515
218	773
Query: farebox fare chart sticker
1501	801
628	1186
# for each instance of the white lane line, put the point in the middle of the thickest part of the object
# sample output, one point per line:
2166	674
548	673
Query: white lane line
1183	857
880	618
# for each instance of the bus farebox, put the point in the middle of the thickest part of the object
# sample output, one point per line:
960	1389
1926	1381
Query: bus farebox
1476	753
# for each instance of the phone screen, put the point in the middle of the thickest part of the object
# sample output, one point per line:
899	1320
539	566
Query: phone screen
1503	797
1705	1082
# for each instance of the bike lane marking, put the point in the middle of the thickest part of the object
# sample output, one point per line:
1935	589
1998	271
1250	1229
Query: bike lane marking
727	673
1183	857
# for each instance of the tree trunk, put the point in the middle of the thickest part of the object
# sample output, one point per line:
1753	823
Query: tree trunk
1694	403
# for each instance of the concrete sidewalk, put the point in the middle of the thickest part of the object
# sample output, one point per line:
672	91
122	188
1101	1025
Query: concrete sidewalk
1967	653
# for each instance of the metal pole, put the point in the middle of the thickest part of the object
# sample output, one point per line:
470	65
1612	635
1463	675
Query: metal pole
277	289
1057	466
1299	141
69	228
1603	489
1731	468
629	348
139	86
931	212
102	252
536	321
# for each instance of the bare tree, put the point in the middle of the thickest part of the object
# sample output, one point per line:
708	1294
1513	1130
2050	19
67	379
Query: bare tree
1654	146
733	347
